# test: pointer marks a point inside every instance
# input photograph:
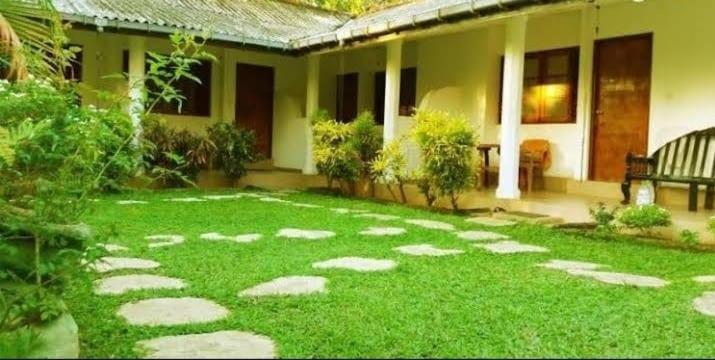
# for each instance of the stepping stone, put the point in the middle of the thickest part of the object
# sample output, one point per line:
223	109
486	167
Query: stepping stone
348	211
356	263
377	216
246	238
620	278
426	250
480	235
305	234
216	345
705	304
306	205
172	311
383	231
116	285
569	265
222	197
272	199
431	224
186	199
108	263
490	221
156	241
131	202
289	285
511	247
112	247
704	279
253	195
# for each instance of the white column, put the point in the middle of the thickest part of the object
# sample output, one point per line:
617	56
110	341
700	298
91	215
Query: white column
137	63
393	69
513	83
312	94
585	86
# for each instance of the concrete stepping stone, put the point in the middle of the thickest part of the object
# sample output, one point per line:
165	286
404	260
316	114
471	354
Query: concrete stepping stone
303	205
356	263
704	279
382	217
217	345
570	265
511	247
172	311
288	285
245	238
305	234
121	284
475	235
272	199
383	231
108	263
348	211
426	250
620	278
131	202
252	195
223	197
185	199
490	221
156	241
705	304
112	247
431	224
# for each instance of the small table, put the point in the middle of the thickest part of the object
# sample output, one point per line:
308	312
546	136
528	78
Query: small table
484	150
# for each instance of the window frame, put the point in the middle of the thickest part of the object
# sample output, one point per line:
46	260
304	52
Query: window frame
408	93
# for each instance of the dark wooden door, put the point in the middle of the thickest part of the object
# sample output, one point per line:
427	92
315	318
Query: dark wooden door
254	104
346	97
622	76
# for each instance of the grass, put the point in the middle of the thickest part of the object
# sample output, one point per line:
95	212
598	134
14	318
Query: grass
473	305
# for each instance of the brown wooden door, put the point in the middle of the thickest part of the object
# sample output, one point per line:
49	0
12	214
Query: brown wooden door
254	104
622	75
346	97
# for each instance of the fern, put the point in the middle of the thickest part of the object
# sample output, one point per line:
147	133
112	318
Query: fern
7	154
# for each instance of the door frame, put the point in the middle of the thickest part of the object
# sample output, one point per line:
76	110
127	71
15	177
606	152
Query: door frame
273	92
595	89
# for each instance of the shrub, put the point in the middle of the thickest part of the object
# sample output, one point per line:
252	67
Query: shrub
711	225
389	168
334	153
366	139
234	148
690	238
446	145
644	217
603	217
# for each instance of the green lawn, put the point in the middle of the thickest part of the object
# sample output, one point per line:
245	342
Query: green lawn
472	305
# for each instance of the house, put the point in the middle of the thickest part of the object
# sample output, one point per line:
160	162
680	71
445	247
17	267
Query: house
597	78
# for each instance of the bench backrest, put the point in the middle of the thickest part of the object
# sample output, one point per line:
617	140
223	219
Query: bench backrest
689	156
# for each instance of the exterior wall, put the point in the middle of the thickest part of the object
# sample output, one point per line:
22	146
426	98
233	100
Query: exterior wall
102	56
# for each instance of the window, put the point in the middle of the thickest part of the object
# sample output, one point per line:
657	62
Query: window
197	96
550	86
73	70
408	94
346	97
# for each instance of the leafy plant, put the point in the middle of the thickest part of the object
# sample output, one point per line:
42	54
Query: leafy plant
389	168
644	217
604	217
690	238
711	225
18	343
366	138
335	155
447	146
235	148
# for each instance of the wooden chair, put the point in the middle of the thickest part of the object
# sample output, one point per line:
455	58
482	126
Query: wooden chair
535	155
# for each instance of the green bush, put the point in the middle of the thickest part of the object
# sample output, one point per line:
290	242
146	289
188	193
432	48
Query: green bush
447	146
389	168
366	139
333	151
603	217
644	217
235	148
690	238
711	225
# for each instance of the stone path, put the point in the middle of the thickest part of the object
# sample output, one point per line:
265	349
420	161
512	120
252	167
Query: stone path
620	278
490	221
222	197
185	199
305	234
112	247
570	265
431	224
303	205
216	345
272	199
426	250
131	202
108	263
704	279
382	217
121	284
288	285
480	235
383	231
156	241
356	263
245	238
347	211
705	304
172	311
511	247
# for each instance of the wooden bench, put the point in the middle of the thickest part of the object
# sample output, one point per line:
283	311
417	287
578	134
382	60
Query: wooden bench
689	159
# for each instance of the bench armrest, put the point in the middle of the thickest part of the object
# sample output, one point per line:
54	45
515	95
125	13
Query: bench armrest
639	166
